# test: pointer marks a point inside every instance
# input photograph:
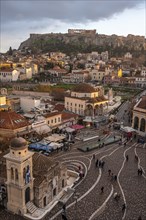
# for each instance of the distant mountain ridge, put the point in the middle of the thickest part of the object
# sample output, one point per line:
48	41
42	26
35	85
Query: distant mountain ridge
84	42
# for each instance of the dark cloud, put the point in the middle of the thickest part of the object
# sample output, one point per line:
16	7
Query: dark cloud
18	18
68	11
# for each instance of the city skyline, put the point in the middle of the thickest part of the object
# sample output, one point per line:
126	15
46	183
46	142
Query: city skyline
20	18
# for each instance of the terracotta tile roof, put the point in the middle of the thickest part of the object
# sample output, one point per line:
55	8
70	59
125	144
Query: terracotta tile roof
41	163
51	114
142	103
12	120
6	70
67	115
59	107
84	88
38	179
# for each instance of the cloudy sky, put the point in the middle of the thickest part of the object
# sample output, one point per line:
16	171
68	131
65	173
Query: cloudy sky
19	18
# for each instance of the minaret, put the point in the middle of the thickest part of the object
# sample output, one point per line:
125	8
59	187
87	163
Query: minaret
19	176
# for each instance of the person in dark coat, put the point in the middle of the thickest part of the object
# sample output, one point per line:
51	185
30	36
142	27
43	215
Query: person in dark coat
102	189
96	163
115	177
123	207
109	172
127	157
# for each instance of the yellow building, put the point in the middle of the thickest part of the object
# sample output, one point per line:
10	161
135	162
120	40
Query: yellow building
3	103
120	73
85	101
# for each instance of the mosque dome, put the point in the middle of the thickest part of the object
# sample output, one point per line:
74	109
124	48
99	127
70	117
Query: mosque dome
18	143
84	88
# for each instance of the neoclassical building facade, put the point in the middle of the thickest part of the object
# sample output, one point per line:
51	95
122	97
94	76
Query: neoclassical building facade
84	100
31	180
139	116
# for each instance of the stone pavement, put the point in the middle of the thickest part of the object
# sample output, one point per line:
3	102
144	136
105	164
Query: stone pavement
129	185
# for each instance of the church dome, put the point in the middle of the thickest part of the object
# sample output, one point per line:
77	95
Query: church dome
84	88
18	143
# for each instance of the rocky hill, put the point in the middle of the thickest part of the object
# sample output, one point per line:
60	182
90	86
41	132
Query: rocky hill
85	42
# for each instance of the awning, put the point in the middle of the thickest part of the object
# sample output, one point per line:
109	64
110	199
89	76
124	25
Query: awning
42	129
69	130
54	145
77	127
27	115
127	129
55	137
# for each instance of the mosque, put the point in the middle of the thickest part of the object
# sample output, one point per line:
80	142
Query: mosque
85	100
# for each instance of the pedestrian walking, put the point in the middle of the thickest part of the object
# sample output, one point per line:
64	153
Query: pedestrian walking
127	157
102	189
140	171
93	156
115	177
96	163
116	196
102	164
109	172
99	164
136	157
123	207
124	144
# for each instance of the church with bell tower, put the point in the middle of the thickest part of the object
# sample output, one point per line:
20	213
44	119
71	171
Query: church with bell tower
19	176
31	180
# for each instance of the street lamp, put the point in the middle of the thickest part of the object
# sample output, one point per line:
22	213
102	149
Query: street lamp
76	196
64	212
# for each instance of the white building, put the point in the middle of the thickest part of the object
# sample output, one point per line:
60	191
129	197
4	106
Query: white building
143	72
140	81
28	103
28	72
128	55
9	75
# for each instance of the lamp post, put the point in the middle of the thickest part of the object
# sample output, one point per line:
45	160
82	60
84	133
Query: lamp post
64	212
76	196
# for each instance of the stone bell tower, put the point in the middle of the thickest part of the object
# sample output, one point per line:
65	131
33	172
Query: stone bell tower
19	176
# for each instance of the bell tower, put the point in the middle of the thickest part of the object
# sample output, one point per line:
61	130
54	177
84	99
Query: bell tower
19	176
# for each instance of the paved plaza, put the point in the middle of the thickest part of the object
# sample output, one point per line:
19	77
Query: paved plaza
89	202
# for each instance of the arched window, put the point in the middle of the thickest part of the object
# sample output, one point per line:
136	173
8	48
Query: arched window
136	123
27	176
12	173
62	183
142	125
16	174
24	172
